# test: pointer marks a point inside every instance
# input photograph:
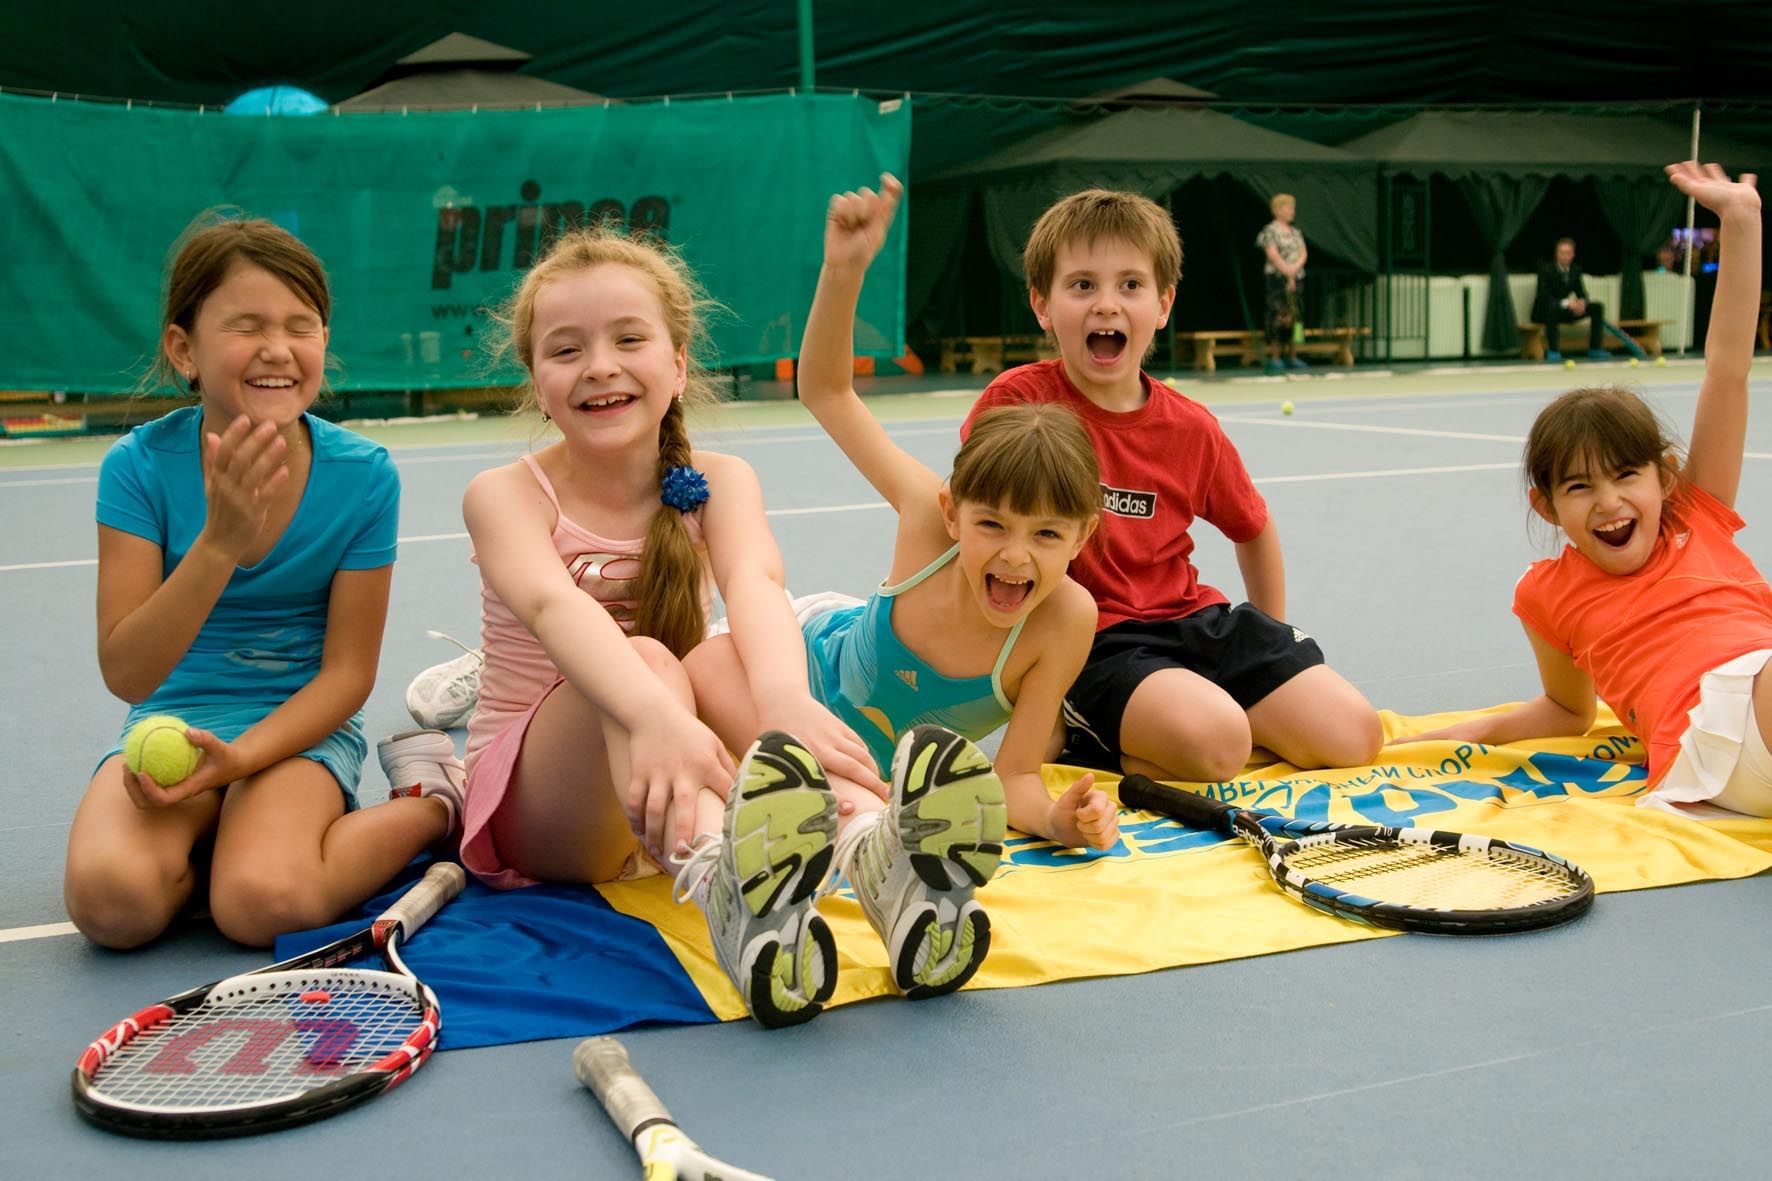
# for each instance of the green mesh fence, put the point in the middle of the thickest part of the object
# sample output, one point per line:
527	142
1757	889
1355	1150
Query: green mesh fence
423	220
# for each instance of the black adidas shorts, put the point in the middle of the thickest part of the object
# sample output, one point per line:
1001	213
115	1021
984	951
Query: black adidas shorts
1243	650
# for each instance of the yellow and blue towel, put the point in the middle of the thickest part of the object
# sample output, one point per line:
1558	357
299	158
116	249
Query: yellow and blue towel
553	961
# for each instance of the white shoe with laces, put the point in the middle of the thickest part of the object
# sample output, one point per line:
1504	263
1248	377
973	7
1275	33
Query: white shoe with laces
423	763
915	864
757	882
443	696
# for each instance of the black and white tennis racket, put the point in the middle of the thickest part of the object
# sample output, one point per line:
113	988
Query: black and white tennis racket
1408	879
282	1045
666	1153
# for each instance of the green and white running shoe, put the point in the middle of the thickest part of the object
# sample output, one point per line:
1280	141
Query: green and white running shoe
915	866
758	880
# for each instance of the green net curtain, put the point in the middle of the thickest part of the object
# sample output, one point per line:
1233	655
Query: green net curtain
424	220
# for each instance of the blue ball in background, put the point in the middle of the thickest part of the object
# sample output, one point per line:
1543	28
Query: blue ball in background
276	100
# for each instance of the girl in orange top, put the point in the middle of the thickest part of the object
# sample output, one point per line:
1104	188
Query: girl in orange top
1651	604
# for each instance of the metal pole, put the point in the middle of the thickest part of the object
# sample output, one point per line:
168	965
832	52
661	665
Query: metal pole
808	71
1689	289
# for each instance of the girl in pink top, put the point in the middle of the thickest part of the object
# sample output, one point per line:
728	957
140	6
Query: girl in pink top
587	761
1651	605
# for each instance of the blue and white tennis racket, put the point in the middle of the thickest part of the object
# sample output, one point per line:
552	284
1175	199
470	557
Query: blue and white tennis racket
1407	879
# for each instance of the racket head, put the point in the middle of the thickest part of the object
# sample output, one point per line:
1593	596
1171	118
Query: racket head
1403	879
256	1052
288	1043
1424	880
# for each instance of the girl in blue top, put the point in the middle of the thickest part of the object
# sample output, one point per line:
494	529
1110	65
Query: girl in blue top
245	552
976	625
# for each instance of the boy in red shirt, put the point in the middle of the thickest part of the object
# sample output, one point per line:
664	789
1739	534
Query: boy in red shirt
1179	684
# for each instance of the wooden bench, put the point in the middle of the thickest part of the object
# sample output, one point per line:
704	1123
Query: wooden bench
992	354
1647	334
1248	347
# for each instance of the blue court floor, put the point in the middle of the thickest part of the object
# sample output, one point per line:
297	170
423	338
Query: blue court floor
1632	1043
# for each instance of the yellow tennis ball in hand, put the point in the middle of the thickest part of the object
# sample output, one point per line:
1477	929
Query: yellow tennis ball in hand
157	747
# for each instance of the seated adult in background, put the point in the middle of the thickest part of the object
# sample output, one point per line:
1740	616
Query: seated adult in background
1562	299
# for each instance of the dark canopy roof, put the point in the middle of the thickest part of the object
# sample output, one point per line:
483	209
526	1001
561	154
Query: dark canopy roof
1528	143
458	72
1184	141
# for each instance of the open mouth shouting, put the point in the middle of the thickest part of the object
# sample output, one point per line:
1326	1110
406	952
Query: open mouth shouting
1616	534
1106	346
1005	593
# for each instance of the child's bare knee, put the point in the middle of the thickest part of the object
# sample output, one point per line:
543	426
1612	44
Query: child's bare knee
116	905
663	663
255	907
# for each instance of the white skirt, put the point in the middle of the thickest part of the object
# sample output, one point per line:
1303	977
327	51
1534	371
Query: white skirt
806	608
1723	768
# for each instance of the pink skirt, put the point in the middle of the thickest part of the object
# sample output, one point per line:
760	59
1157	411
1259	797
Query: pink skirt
489	778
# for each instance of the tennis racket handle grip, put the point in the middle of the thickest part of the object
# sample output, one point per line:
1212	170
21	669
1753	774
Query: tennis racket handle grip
602	1065
414	908
1191	808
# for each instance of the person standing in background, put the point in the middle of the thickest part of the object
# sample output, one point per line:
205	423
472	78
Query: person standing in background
1283	268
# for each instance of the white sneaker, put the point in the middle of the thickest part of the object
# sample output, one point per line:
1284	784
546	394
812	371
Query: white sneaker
914	867
423	763
757	882
444	695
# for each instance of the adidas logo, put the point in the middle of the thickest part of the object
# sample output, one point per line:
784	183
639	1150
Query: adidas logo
909	677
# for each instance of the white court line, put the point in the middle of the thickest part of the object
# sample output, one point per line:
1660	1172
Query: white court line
45	483
41	931
1378	430
1395	471
48	565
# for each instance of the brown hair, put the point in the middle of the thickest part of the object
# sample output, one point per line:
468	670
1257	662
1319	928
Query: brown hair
203	255
1603	426
669	587
1034	458
1102	213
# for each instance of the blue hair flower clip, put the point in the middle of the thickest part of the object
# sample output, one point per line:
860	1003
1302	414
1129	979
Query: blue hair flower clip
684	489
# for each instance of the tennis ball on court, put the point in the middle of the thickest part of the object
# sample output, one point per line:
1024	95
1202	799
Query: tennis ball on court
1287	408
1568	363
157	747
1632	362
1661	360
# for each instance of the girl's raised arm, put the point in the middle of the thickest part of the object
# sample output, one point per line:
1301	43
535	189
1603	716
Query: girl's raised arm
855	228
1719	427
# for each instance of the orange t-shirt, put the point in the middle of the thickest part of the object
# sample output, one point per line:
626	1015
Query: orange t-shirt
1647	637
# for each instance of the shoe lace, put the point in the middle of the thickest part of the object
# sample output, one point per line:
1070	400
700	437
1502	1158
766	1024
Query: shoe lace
847	852
694	867
477	654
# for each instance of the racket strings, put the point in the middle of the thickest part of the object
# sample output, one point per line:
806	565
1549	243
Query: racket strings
1432	877
260	1042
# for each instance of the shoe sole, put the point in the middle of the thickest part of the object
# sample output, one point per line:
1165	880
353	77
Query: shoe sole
781	835
952	821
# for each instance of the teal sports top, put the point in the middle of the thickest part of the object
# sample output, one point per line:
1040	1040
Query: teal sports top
861	672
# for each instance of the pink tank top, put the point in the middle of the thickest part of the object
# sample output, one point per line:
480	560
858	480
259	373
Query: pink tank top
517	671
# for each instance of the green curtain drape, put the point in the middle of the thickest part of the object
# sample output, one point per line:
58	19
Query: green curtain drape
1640	209
1500	206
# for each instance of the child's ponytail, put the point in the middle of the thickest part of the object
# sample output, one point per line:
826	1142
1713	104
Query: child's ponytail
669	589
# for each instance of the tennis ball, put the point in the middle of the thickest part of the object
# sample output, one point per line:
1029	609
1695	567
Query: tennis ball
1568	363
1287	408
1661	360
1633	362
157	746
